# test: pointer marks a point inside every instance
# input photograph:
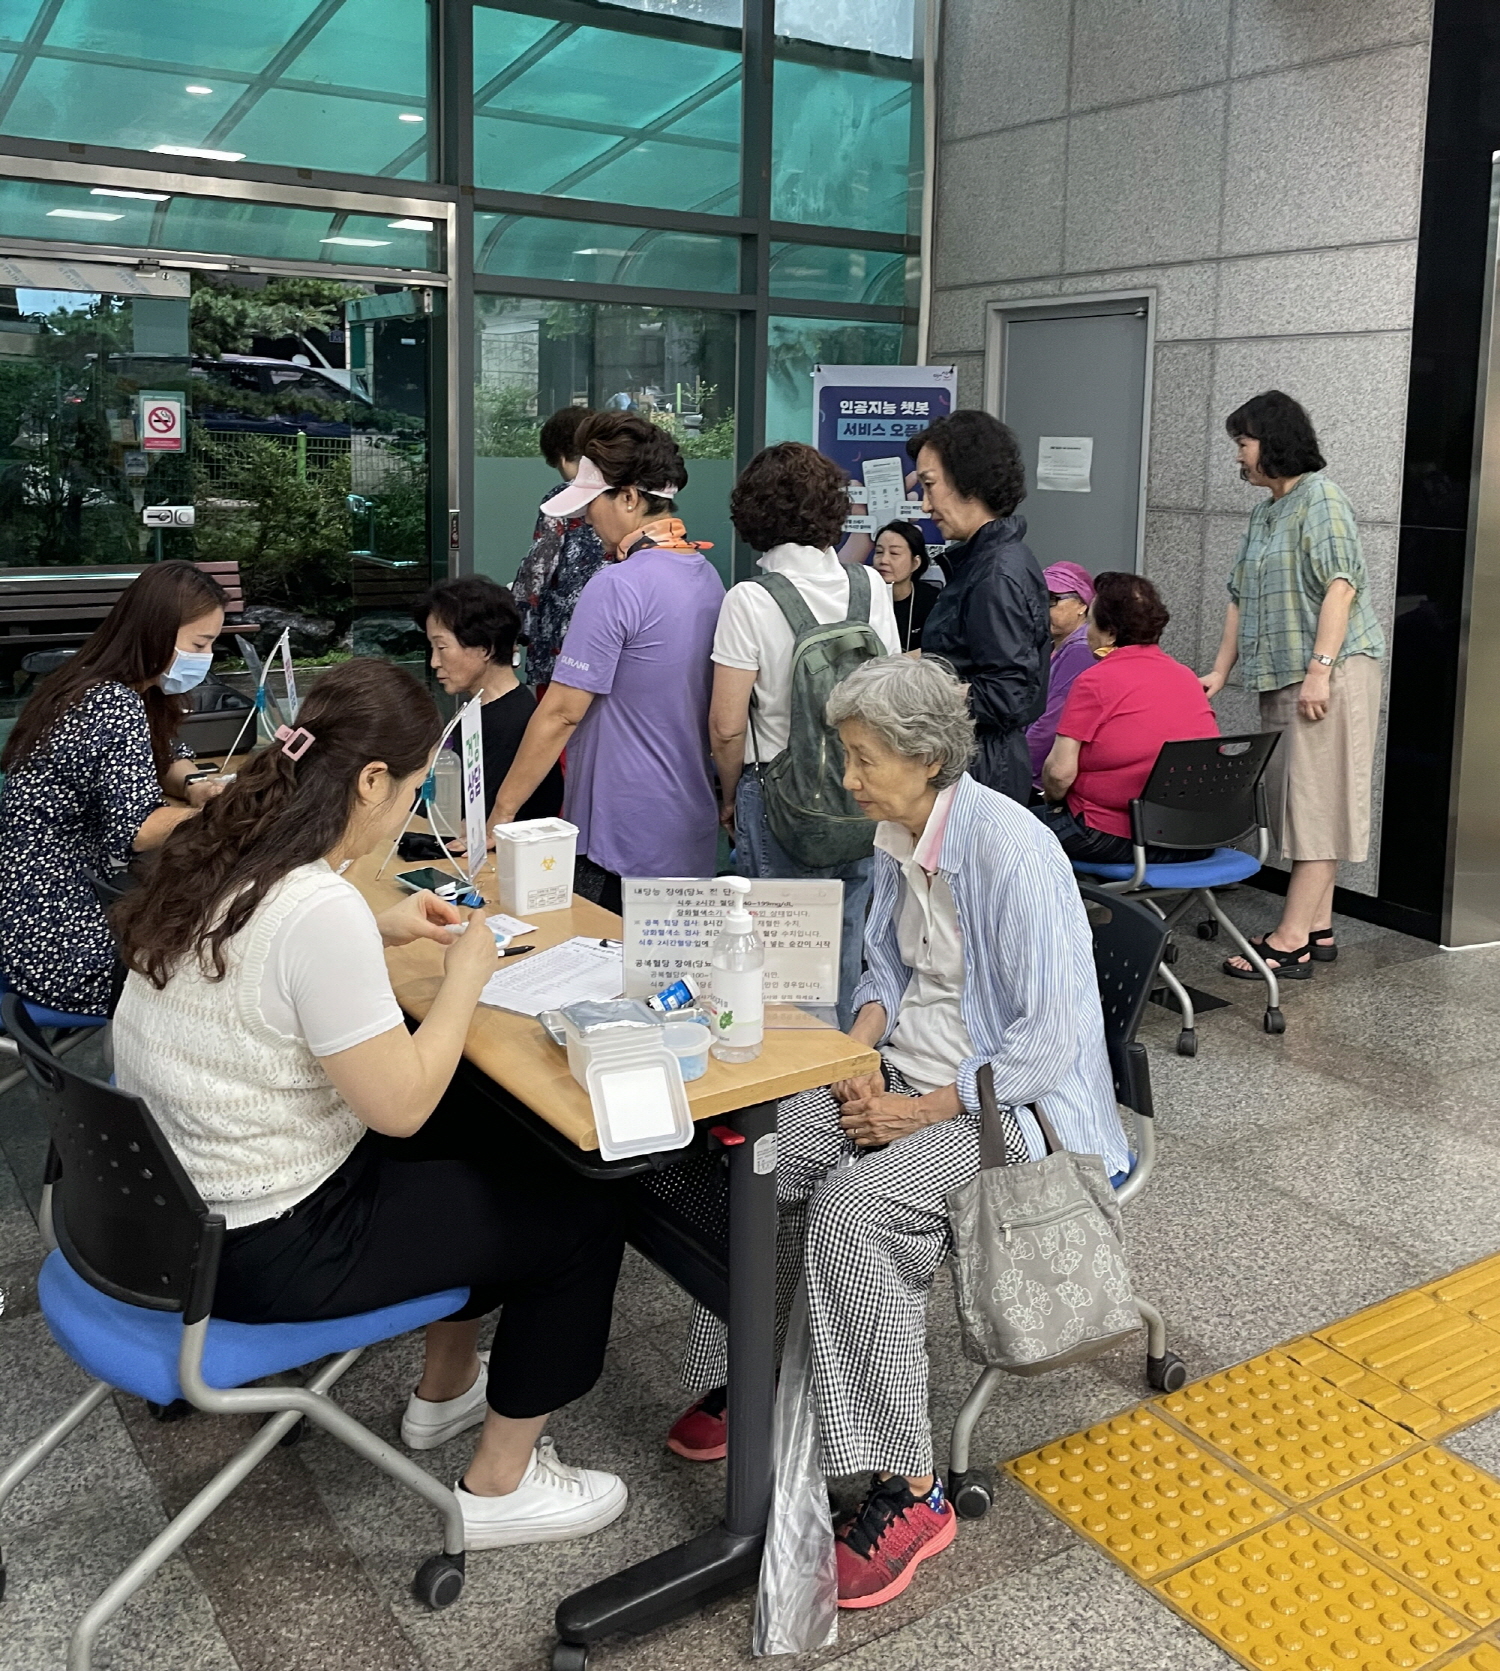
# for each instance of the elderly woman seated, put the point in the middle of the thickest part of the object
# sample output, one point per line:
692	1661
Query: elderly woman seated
1116	717
978	951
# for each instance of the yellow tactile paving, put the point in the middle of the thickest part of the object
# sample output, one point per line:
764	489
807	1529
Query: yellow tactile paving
1291	1429
1393	1402
1295	1598
1475	1289
1430	1347
1482	1658
1434	1520
1144	1493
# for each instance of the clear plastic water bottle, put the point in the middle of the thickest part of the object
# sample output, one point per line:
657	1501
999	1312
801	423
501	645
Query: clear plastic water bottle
736	1003
448	792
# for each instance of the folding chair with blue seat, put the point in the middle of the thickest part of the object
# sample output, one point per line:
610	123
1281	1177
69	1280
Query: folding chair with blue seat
1128	944
1209	792
127	1292
68	1032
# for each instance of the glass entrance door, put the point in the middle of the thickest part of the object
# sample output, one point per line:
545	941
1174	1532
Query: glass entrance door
289	415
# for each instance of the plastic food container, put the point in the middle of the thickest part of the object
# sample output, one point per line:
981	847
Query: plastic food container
688	1041
640	1103
534	865
597	1028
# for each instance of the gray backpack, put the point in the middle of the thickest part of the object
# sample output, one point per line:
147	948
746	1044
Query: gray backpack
810	812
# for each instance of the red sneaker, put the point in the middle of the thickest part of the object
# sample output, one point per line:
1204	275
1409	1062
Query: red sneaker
701	1432
880	1545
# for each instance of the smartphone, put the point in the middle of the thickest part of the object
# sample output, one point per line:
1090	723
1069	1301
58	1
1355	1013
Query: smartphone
441	882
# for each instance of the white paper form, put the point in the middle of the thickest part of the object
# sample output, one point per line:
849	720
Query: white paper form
567	974
1064	463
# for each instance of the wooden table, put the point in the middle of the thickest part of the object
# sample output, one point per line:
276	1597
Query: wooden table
515	1052
511	1068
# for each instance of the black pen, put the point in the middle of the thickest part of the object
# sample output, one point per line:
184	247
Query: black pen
515	951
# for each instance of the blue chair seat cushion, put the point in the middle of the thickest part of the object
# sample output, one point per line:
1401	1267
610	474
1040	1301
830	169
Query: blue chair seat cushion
45	1017
1222	867
136	1349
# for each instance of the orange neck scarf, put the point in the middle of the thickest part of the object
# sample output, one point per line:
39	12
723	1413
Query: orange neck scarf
663	535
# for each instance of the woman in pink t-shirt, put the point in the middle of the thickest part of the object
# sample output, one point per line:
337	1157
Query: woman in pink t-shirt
1118	714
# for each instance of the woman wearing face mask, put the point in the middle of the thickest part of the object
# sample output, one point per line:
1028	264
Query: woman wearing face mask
630	689
87	767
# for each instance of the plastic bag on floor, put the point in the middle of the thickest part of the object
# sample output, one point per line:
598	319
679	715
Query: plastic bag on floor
796	1609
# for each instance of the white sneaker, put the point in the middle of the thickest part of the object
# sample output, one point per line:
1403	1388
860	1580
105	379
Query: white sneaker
553	1502
429	1422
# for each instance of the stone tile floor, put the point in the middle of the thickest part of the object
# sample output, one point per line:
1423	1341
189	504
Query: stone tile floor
1300	1178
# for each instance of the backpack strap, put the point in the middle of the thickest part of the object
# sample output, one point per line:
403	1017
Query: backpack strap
790	601
859	594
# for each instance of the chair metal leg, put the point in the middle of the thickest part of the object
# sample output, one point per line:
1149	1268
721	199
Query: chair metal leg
171	1538
60	1047
1179	992
45	1443
1156	1328
1145	1159
1247	951
968	1419
310	1401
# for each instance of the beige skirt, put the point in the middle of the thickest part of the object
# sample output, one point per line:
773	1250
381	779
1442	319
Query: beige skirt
1318	780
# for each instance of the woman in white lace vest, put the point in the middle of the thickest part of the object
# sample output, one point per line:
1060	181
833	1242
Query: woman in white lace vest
259	1025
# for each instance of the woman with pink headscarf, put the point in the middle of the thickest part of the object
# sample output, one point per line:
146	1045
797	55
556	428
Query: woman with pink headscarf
1070	591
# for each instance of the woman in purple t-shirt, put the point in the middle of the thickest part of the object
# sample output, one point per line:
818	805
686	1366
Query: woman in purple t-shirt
1070	591
630	687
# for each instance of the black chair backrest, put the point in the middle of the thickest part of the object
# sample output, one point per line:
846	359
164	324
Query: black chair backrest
1204	793
126	1216
1128	945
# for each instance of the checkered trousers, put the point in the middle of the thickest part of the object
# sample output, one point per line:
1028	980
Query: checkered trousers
872	1226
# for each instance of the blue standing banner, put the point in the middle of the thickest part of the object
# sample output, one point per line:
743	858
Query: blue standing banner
863	418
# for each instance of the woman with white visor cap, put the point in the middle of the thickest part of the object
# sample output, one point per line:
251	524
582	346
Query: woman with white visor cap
630	688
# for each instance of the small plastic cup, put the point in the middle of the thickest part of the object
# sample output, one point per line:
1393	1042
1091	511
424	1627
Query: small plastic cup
688	1041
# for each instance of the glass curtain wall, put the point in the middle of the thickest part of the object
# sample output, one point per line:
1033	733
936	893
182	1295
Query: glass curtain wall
397	234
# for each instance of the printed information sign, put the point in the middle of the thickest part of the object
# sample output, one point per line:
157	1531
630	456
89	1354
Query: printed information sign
471	743
671	925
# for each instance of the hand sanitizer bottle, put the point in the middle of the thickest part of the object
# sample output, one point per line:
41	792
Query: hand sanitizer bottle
735	1005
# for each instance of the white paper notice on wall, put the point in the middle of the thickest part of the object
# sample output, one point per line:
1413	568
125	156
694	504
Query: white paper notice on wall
885	488
671	925
1064	463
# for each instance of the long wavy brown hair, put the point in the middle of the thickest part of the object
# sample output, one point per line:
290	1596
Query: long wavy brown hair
214	871
133	645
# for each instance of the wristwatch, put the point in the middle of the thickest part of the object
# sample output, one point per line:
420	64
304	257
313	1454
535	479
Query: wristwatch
1327	661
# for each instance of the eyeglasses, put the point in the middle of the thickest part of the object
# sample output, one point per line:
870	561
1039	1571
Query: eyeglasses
1060	597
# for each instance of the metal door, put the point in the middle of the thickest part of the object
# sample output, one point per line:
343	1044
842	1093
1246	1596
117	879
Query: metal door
1073	381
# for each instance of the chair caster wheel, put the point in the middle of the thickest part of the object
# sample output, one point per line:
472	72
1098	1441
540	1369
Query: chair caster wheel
1208	929
971	1493
1170	952
1168	1373
439	1581
173	1412
294	1435
570	1656
1187	1042
1274	1021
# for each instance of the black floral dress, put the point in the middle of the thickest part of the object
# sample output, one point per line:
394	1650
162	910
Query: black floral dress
565	555
73	807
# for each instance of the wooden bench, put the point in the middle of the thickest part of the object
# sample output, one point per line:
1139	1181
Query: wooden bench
65	605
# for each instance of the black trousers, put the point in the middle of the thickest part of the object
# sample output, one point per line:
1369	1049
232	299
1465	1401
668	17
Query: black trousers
454	1206
1004	763
594	882
1098	847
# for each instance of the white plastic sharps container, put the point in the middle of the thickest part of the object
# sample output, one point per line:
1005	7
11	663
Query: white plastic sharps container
735	1001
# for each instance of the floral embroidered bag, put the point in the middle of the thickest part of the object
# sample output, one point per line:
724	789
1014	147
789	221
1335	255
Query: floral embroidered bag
1039	1269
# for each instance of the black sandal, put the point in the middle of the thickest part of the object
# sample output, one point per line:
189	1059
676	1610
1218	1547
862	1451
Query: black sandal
1323	948
1286	966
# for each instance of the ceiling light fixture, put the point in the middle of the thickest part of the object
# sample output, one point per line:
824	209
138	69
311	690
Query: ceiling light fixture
359	243
410	116
197	151
138	196
194	87
601	252
409	225
82	214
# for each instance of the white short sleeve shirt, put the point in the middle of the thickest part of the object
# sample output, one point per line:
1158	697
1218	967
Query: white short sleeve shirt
753	633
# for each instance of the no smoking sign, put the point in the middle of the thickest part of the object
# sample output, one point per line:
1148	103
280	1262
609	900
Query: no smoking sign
159	421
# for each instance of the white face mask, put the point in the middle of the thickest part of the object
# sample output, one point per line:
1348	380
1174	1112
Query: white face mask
186	671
